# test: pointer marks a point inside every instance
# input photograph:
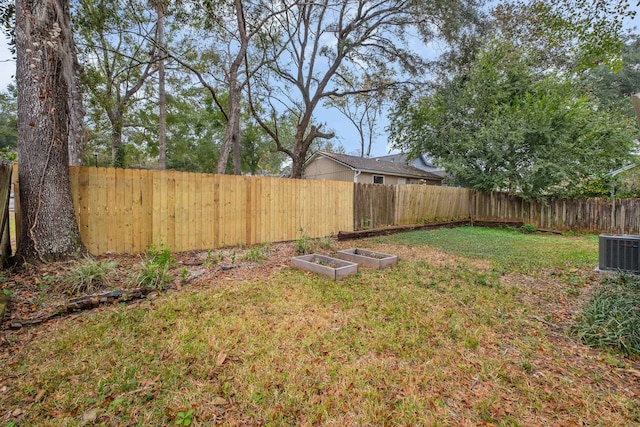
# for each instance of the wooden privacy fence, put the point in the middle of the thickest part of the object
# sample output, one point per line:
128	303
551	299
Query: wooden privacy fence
597	215
127	210
384	205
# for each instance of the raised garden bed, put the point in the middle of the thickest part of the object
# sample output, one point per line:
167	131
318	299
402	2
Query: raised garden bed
328	266
368	258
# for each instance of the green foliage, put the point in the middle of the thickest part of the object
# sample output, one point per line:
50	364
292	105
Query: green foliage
326	243
184	418
528	228
614	89
572	35
116	49
154	271
8	122
611	318
504	126
304	244
627	184
212	261
88	276
257	254
193	124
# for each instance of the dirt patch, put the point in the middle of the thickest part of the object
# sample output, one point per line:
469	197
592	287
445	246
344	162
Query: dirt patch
432	256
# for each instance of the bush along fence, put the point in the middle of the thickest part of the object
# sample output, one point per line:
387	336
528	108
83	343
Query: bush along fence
129	210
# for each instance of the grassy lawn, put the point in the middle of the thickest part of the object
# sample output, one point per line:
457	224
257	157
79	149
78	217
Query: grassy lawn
471	327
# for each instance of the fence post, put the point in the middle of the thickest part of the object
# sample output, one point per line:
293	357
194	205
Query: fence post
5	194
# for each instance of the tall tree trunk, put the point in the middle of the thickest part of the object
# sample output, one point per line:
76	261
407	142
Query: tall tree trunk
162	97
44	74
237	164
76	114
232	132
117	149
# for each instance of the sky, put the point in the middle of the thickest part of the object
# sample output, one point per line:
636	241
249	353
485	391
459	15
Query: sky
346	134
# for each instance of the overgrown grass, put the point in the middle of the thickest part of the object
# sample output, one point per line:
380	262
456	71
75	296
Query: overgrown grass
612	316
88	276
417	344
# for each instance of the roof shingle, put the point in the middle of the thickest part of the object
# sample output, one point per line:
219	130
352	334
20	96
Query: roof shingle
379	166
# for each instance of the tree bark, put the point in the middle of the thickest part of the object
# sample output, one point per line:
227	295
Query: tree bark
76	113
117	150
44	74
232	133
162	96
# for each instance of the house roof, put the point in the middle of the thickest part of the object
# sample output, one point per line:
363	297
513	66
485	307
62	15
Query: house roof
421	162
377	166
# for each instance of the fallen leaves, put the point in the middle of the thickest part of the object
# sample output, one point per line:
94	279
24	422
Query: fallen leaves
220	359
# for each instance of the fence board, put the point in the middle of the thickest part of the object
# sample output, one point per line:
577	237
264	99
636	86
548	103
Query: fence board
374	206
6	170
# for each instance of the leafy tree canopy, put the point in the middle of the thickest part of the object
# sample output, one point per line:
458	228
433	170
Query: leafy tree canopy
8	118
504	125
614	89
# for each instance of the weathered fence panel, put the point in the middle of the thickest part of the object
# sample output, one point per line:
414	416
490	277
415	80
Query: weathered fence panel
430	203
499	206
597	215
374	206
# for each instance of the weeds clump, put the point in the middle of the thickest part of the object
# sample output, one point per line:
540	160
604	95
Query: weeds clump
528	228
304	244
327	244
611	318
88	276
154	271
257	254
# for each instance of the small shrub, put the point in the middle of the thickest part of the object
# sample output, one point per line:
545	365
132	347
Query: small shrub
184	274
327	244
184	418
88	276
257	254
304	245
528	228
211	260
611	318
154	271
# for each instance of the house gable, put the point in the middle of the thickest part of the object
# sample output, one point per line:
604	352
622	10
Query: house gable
341	167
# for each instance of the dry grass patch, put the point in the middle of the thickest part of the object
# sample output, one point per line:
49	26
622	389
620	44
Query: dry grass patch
423	343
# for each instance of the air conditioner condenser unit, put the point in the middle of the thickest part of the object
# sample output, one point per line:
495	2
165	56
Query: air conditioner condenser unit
619	252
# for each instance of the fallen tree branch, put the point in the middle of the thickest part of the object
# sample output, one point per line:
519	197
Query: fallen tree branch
86	302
